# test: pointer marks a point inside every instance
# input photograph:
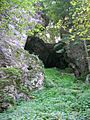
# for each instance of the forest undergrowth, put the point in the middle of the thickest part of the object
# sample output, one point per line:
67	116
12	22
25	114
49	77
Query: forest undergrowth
63	97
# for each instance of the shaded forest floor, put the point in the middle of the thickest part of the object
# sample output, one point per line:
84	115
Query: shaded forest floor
62	98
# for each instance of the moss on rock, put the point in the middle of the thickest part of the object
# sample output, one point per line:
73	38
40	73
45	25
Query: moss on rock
17	83
20	72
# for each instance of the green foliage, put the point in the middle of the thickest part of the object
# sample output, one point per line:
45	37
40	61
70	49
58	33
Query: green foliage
81	19
70	17
64	99
17	14
7	4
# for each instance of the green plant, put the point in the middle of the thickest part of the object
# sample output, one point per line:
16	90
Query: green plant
66	99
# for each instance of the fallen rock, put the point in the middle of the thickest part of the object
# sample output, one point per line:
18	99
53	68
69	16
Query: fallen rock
76	52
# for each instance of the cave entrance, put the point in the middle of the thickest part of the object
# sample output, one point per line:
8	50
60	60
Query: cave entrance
46	52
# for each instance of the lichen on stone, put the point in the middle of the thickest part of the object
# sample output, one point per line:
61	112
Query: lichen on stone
20	73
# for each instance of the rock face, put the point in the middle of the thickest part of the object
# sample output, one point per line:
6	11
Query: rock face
76	52
20	73
59	55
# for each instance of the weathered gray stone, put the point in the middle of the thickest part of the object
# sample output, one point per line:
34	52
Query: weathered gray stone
20	72
76	52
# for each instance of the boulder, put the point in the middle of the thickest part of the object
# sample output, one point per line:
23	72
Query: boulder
20	73
76	52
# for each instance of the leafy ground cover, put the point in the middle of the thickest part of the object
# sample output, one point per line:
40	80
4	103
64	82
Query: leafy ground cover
62	98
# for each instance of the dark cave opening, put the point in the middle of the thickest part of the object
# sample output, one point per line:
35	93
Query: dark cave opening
46	52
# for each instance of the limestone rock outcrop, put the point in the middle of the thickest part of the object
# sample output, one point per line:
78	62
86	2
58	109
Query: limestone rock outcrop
20	73
76	52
